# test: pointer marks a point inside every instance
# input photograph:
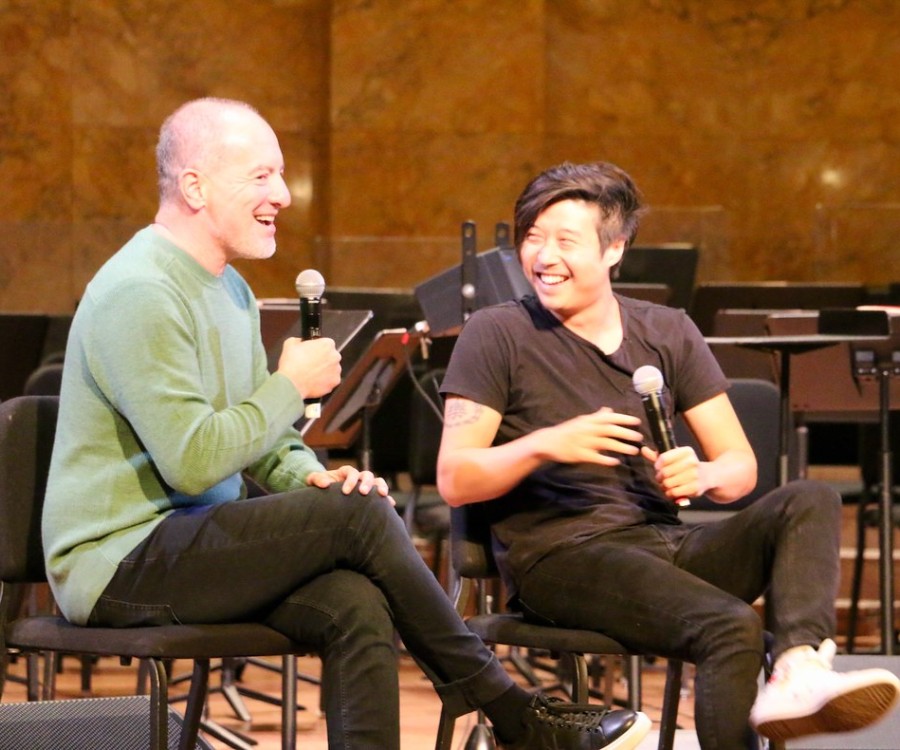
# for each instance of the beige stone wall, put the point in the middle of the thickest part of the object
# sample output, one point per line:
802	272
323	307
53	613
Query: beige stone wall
766	131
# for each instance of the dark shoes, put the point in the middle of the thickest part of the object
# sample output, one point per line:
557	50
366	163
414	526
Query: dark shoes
551	724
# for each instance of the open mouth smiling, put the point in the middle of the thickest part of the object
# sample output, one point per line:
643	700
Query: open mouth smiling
551	279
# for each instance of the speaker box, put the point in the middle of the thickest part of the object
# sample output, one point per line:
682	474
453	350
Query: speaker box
84	724
498	278
884	735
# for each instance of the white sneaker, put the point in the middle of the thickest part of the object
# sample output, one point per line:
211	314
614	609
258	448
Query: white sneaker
805	696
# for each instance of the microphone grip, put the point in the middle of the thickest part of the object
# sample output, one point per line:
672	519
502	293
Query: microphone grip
660	424
311	328
661	428
310	318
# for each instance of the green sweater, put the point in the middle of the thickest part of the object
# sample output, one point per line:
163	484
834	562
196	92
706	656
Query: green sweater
165	399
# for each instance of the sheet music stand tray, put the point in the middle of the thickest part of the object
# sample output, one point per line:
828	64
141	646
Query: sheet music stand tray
784	346
348	410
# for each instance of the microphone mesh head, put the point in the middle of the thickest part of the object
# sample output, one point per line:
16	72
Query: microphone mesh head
647	379
310	283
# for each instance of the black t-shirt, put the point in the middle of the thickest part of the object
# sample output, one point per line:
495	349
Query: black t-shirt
519	360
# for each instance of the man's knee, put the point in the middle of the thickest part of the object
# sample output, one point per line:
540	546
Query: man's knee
804	499
353	503
736	628
813	502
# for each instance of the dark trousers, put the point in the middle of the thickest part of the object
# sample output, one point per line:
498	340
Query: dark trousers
685	592
335	571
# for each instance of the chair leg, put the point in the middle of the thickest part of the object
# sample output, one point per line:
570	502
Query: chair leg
671	698
87	669
635	687
193	713
445	731
481	738
159	706
608	675
289	702
580	685
33	679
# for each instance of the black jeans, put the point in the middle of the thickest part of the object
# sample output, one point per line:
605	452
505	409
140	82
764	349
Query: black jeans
685	592
335	571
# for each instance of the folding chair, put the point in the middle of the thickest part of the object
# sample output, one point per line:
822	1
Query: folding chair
27	429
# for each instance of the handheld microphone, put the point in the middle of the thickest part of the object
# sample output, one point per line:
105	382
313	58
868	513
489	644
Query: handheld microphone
310	286
648	382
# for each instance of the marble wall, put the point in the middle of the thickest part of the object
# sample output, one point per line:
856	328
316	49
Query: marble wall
765	131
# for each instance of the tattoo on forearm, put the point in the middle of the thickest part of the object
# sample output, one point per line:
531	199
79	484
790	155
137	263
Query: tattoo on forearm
461	412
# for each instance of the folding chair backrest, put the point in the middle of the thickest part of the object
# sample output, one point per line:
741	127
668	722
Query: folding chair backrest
757	404
27	430
470	541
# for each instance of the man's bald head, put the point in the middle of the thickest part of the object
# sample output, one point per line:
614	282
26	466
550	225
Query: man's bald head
193	136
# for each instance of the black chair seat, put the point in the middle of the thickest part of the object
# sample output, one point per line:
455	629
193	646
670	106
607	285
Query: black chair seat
152	642
513	630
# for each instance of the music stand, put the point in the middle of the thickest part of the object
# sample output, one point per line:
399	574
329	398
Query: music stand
876	363
279	319
711	296
657	293
882	367
348	410
787	345
673	264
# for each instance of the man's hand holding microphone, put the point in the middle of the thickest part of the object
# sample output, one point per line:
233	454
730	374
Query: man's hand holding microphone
313	364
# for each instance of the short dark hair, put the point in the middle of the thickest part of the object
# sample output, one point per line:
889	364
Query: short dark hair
601	183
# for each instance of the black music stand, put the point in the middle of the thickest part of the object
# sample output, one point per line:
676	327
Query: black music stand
878	361
657	293
672	263
348	410
279	319
882	368
785	346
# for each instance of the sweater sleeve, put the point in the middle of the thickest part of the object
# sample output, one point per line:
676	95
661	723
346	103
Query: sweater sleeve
286	465
184	377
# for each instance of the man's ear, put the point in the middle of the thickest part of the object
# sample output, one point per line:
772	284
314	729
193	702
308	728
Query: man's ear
193	189
612	256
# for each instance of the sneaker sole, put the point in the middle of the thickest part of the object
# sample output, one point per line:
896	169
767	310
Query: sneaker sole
632	738
845	713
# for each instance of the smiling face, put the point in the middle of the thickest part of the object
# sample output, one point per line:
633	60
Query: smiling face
562	256
243	188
